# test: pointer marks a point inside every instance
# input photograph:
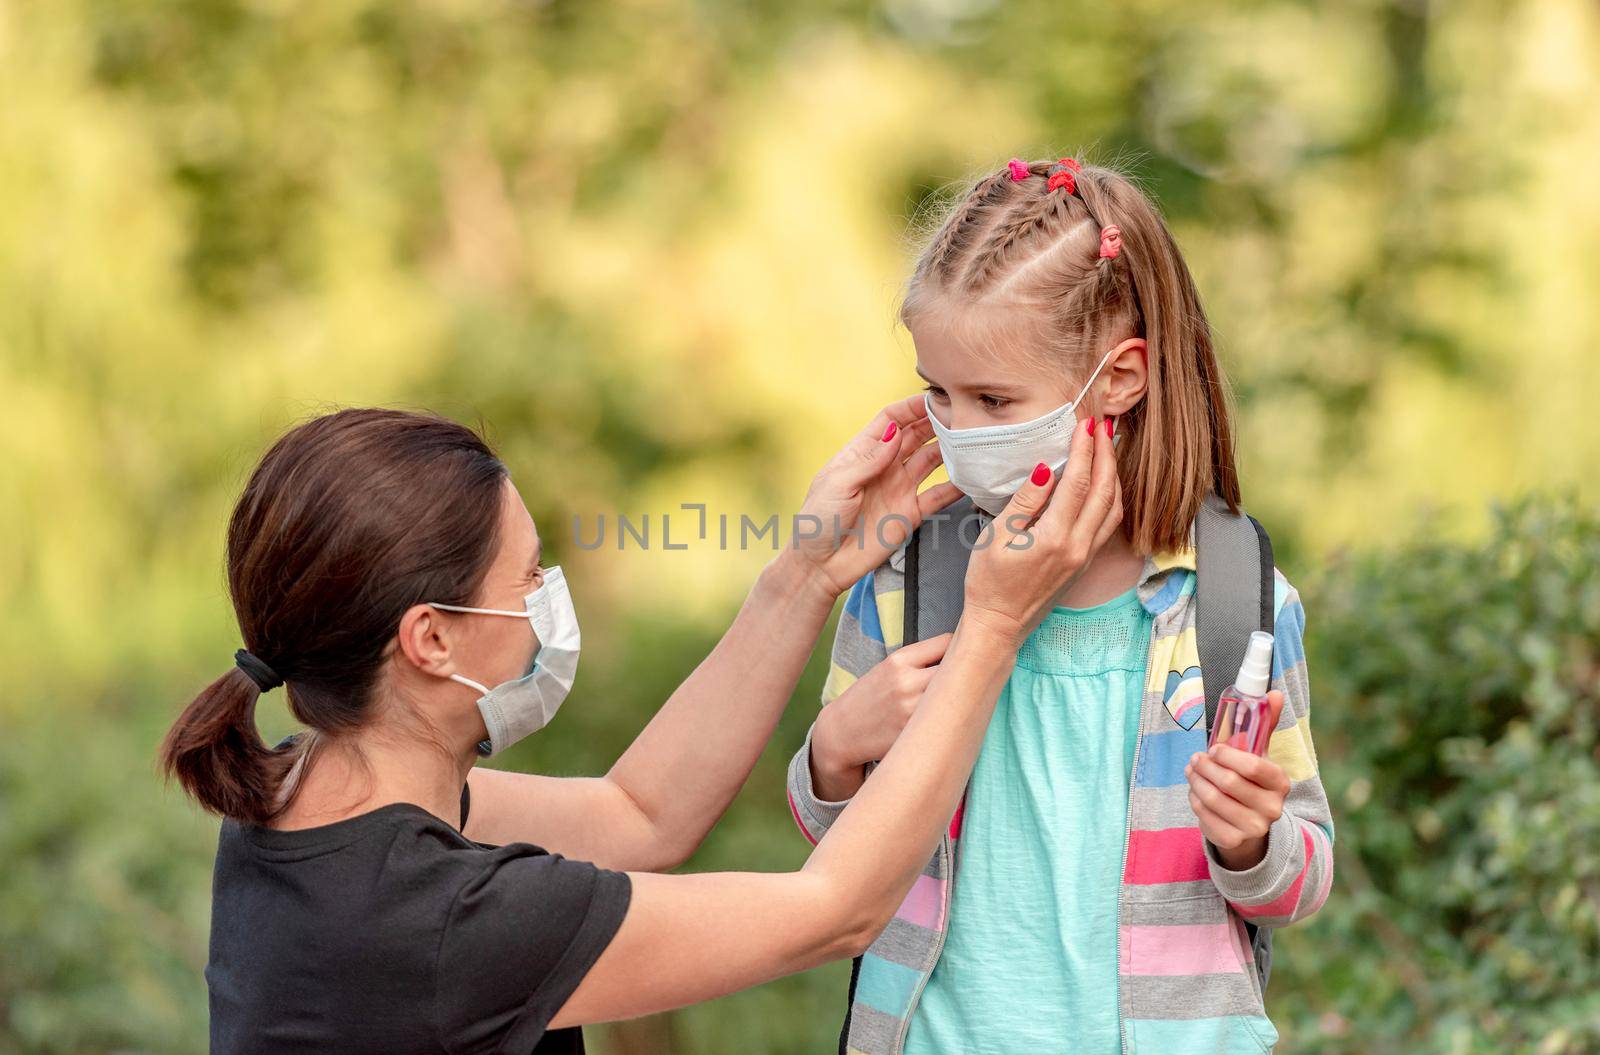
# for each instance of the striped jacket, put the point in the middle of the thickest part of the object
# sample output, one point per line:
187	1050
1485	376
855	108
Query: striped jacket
1187	984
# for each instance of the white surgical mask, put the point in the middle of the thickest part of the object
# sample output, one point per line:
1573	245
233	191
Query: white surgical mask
989	464
515	709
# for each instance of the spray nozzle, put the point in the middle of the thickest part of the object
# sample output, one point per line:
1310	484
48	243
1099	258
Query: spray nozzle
1255	673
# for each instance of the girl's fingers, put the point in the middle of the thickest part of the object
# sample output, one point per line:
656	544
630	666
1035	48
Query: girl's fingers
927	652
921	677
1217	829
1232	812
1257	769
1275	702
1234	784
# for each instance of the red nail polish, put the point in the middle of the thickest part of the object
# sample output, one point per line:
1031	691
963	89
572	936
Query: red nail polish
1089	430
1041	474
1110	428
888	433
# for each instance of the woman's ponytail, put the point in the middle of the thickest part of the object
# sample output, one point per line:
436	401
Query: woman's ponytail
350	519
214	751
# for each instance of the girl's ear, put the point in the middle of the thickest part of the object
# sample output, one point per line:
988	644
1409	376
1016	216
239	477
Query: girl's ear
1126	377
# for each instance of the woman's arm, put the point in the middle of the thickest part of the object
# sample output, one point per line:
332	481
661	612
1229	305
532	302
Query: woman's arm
723	932
651	811
646	814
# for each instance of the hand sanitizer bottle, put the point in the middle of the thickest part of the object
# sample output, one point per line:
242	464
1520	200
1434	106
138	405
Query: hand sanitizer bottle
1244	718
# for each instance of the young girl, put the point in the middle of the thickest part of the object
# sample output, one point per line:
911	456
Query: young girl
1092	890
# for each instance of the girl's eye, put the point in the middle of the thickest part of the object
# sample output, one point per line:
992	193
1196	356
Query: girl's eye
935	391
993	402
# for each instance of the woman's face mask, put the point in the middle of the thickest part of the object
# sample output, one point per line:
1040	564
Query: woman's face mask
989	464
515	709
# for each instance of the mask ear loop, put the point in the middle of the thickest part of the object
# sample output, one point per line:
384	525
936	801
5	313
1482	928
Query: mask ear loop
462	679
468	682
477	611
1086	385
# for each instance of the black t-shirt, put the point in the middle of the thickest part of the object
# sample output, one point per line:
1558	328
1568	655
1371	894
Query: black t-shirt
392	932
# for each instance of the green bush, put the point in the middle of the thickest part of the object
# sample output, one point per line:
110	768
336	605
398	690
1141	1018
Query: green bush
1455	698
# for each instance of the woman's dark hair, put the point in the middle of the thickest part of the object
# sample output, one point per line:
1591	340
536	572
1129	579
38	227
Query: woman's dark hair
349	520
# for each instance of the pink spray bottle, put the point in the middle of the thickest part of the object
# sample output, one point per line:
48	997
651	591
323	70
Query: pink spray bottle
1244	718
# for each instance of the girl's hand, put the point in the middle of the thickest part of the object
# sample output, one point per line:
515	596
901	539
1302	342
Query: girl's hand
1237	796
864	721
864	503
1050	531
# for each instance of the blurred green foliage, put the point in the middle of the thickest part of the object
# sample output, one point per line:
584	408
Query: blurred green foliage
653	245
1457	698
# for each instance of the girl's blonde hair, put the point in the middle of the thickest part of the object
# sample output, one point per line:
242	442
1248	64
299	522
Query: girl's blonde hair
1027	241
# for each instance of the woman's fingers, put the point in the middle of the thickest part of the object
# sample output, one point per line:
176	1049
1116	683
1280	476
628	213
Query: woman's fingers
875	446
1076	478
1102	488
1113	520
1024	507
924	460
913	436
901	414
936	498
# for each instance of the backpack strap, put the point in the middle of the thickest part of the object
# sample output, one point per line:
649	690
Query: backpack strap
1233	592
1233	596
937	554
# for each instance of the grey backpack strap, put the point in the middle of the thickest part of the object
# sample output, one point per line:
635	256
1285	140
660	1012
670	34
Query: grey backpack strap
1233	596
936	570
1233	592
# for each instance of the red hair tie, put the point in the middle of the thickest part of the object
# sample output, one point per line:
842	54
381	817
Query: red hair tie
1062	174
1110	241
1019	170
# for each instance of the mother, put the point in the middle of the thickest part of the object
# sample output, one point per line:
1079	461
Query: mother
375	892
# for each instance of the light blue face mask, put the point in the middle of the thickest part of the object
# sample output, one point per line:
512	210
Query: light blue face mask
990	463
515	709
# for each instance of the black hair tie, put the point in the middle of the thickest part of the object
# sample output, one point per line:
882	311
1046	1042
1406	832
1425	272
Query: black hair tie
256	670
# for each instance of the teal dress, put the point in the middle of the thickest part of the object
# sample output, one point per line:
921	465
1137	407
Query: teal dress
1030	959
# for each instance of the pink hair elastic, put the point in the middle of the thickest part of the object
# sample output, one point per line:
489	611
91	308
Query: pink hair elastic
1019	170
1062	175
1110	241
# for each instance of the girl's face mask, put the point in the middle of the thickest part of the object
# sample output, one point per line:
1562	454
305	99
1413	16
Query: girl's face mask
515	709
989	464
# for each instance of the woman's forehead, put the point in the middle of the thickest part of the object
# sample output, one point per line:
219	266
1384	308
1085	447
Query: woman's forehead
519	535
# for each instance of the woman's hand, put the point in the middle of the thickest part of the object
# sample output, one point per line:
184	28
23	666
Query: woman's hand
863	722
1050	531
864	503
1236	796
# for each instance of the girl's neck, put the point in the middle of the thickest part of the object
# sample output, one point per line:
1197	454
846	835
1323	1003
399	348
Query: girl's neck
1113	572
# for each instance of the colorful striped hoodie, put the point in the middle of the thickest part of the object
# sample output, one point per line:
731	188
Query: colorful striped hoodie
1187	984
